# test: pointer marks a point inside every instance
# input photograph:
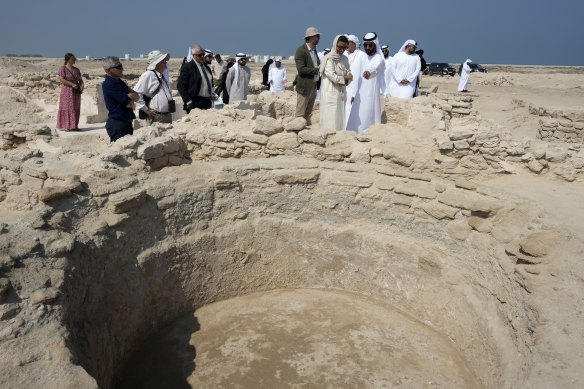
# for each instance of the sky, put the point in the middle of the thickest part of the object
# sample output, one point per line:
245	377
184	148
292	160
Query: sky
536	32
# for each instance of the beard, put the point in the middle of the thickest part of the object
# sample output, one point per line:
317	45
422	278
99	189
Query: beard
370	50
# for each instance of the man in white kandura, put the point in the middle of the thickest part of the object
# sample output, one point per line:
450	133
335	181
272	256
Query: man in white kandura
277	77
237	82
356	59
464	76
405	68
335	75
387	59
366	107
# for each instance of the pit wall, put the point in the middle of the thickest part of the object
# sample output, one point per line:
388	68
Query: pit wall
257	227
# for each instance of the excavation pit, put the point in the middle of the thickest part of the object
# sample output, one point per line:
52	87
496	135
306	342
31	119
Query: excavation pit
322	289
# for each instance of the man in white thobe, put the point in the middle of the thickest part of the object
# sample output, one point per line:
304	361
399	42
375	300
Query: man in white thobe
366	107
356	59
464	76
387	59
237	82
405	68
277	77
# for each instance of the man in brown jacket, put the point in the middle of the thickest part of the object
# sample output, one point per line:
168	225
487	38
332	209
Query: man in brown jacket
307	81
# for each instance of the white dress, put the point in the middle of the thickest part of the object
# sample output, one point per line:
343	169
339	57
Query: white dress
333	94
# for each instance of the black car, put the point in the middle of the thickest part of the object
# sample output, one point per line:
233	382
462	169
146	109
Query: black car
441	68
475	67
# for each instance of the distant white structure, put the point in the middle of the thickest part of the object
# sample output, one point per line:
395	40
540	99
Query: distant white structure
127	57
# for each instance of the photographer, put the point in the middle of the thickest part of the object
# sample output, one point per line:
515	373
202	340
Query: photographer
156	103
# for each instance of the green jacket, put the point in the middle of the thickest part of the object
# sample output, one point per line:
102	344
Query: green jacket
306	70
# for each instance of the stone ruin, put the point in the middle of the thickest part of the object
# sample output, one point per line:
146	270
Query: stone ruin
104	246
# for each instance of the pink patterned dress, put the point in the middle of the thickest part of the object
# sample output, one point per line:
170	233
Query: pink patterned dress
69	102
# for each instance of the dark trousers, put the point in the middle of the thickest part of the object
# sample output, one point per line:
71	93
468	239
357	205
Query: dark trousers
118	128
201	103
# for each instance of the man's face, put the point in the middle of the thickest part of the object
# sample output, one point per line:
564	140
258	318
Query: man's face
385	52
352	47
116	71
208	59
410	49
161	66
218	59
314	39
277	64
370	48
199	56
242	61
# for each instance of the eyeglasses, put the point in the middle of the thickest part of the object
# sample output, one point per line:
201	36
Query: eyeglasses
119	67
198	54
369	44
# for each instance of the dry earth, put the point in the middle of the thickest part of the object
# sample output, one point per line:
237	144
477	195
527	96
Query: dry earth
240	248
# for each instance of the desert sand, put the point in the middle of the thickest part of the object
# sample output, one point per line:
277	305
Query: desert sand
239	247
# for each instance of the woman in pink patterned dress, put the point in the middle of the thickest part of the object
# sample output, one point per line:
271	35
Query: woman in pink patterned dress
70	100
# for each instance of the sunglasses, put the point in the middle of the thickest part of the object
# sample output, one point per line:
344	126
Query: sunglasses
198	54
119	67
368	44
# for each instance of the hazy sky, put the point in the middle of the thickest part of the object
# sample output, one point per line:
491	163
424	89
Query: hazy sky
538	32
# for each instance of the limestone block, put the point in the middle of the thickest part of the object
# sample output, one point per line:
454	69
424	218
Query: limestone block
480	224
417	188
102	189
49	193
44	296
539	244
566	171
126	200
464	184
226	180
294	177
314	136
256	138
283	141
360	152
461	145
59	245
459	229
296	124
445	145
471	201
265	125
461	111
535	166
438	211
34	167
460	133
402	200
195	137
556	153
348	179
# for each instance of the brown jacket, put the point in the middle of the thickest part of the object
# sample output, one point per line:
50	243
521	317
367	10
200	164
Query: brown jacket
306	70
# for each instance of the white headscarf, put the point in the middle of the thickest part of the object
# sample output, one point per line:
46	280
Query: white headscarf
408	42
331	55
468	61
238	56
372	37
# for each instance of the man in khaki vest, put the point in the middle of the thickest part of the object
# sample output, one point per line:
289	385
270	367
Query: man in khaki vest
308	80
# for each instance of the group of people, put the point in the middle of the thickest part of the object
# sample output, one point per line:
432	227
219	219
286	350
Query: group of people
350	83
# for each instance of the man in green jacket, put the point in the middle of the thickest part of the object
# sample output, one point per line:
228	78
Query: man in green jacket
307	64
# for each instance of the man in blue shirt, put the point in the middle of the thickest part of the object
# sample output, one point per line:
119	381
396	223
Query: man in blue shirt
119	100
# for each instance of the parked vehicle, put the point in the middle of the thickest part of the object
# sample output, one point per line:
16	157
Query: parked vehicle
441	68
475	67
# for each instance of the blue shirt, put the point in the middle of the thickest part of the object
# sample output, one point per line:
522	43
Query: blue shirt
115	94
